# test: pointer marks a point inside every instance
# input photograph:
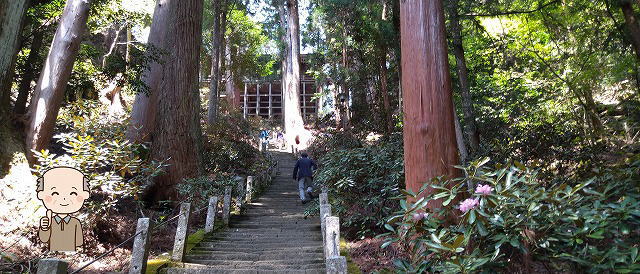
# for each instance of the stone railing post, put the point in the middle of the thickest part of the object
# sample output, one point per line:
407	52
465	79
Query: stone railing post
241	191
140	250
181	233
325	211
226	206
324	198
332	232
336	265
249	194
52	266
212	209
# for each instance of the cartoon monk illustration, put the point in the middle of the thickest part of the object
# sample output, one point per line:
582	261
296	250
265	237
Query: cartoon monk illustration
63	191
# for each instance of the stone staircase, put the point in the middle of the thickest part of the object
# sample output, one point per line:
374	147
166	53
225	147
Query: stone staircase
272	236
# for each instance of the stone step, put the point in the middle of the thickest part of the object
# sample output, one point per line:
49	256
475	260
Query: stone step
266	265
259	249
262	235
281	226
218	270
249	246
250	257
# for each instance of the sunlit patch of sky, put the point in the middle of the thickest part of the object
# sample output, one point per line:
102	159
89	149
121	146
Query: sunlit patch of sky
257	9
258	14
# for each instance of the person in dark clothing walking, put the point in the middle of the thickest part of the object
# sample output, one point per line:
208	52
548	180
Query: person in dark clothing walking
303	173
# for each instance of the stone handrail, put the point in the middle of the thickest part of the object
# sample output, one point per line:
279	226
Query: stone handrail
140	250
330	225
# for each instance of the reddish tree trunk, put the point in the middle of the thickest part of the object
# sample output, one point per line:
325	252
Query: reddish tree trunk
429	134
55	74
12	13
177	133
144	106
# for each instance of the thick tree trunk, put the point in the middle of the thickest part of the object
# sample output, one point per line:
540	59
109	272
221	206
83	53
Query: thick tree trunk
388	115
282	12
144	107
31	66
631	22
232	91
293	123
462	149
429	133
49	91
177	133
212	110
12	14
471	130
345	115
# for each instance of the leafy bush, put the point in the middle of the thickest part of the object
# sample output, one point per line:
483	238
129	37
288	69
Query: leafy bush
99	149
514	217
332	141
198	190
229	145
361	182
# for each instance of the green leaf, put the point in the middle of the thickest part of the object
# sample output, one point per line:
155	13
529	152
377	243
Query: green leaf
634	254
472	216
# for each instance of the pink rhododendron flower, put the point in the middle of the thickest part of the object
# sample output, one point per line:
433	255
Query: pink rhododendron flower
417	217
469	204
484	189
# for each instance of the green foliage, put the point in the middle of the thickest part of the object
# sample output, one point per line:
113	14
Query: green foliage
361	182
588	225
198	190
99	149
332	141
229	146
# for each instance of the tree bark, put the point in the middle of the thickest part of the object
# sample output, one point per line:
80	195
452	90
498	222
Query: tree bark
388	115
282	12
429	133
471	129
632	25
12	14
55	74
293	122
177	133
31	66
212	110
144	107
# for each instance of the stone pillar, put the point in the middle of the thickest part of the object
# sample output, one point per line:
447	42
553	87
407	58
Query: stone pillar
324	198
226	206
325	211
336	265
140	250
332	232
249	194
52	266
211	214
241	191
181	233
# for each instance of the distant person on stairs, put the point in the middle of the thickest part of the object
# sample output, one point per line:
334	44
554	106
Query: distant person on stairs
303	173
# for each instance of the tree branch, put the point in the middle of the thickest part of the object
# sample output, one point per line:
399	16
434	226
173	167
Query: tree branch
514	12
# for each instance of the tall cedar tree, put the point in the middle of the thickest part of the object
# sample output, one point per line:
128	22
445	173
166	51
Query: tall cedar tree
176	134
12	14
293	123
216	38
429	135
49	92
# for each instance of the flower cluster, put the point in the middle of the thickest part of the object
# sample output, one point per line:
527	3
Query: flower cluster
469	204
420	216
484	189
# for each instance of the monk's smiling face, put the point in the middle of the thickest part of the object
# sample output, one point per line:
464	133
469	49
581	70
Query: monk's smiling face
63	190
